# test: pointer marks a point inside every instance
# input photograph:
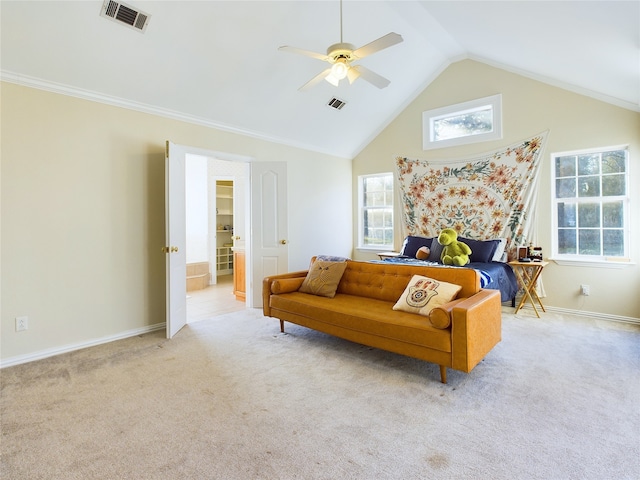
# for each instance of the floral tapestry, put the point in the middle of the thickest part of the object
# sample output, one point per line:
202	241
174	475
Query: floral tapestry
490	196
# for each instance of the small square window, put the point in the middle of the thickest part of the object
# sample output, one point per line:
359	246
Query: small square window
470	122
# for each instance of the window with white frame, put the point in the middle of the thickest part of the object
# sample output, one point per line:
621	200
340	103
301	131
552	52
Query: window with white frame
591	205
469	122
375	206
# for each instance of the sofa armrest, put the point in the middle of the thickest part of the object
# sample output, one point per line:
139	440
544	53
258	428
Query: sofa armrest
279	284
476	327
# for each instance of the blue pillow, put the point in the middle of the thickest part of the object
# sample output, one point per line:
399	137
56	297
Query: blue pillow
412	243
481	250
436	251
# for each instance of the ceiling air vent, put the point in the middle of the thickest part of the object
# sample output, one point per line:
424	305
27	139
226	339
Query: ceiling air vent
336	103
125	14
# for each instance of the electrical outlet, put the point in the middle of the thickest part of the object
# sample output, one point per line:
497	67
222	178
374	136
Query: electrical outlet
584	290
22	324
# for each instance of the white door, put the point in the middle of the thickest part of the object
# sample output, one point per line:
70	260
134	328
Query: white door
239	212
176	238
269	226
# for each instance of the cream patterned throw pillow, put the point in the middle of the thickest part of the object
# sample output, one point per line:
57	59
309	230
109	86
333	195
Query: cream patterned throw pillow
423	294
323	278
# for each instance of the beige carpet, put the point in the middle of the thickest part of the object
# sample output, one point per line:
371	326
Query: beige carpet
233	398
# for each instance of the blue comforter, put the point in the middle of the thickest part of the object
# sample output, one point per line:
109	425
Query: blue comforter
493	275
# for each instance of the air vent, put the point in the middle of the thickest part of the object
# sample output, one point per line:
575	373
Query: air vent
125	15
336	103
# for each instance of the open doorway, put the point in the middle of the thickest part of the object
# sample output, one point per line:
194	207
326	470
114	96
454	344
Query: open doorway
266	248
215	216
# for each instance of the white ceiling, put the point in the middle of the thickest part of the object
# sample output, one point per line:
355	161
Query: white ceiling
217	63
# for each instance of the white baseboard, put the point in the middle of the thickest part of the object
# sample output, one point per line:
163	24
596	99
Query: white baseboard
31	357
593	315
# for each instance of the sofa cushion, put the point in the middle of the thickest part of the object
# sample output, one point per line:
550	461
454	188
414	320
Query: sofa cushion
441	316
364	315
387	281
423	294
286	285
412	243
323	278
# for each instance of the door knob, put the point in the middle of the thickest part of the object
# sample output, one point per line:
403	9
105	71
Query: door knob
283	242
174	249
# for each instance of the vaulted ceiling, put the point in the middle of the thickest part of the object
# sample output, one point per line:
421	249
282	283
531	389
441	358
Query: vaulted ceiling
217	63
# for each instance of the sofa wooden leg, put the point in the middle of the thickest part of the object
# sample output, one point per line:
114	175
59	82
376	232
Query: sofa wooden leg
282	326
443	374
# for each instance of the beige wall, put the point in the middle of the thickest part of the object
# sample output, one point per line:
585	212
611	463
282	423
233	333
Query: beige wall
529	107
82	199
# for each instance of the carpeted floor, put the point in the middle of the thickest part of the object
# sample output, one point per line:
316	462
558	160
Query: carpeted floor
233	398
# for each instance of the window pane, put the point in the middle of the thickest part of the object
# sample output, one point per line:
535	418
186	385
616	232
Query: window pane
465	124
374	218
567	241
566	166
613	162
589	241
589	164
613	243
373	184
612	215
589	215
374	199
589	186
377	210
378	227
566	215
613	185
566	188
597	182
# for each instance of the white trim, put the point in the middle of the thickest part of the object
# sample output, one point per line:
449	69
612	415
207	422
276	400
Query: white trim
430	116
593	263
361	208
31	357
571	87
32	82
584	260
582	313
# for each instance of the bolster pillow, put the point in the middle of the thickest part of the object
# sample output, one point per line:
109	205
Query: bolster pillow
440	317
286	285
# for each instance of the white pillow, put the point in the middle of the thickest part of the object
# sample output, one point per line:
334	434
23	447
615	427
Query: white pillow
499	253
423	294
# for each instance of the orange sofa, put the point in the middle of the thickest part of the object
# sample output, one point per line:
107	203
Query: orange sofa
458	334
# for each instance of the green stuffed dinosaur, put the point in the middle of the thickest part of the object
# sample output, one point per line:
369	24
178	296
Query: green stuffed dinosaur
453	252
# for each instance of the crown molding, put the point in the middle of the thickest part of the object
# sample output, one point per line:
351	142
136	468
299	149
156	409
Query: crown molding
618	102
53	87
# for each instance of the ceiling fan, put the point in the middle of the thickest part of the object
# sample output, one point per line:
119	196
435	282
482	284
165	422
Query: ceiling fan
341	55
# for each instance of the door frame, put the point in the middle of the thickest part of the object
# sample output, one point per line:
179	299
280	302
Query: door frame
174	319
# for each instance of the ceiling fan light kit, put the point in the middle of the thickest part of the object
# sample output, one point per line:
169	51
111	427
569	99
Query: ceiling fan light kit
340	55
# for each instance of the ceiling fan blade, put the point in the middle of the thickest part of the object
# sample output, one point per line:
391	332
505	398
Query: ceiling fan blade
315	80
307	53
380	44
352	74
371	77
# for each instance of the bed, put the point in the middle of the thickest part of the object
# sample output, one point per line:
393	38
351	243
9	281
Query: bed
487	257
